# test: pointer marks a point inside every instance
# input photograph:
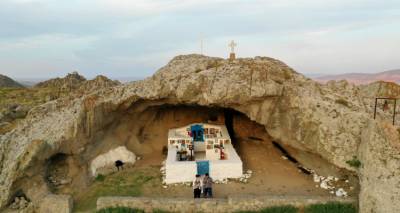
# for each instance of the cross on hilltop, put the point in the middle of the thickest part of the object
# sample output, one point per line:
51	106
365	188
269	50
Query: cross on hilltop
232	45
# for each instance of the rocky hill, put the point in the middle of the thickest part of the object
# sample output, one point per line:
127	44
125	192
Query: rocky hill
332	121
8	82
363	78
70	82
15	103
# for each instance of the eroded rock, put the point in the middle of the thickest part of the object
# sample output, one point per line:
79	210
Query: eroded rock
328	120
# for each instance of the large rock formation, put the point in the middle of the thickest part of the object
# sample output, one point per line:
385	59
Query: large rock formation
69	82
330	120
15	103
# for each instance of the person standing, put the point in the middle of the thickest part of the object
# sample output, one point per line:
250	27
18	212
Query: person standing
197	183
207	186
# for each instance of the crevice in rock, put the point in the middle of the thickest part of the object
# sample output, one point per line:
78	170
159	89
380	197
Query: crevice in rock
290	158
57	170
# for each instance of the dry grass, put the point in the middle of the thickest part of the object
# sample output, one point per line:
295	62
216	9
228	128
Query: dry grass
129	182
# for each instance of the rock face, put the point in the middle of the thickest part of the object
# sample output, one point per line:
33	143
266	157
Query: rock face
16	103
8	82
330	120
105	163
69	82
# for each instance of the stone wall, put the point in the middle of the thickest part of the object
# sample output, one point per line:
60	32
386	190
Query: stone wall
231	204
56	203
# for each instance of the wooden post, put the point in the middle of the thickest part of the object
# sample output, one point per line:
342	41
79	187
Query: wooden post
394	111
376	102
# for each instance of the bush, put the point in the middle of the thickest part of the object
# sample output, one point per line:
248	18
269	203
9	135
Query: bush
120	210
354	162
100	177
332	207
275	209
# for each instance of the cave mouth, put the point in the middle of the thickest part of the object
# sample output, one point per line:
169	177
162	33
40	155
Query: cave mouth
144	131
57	171
149	129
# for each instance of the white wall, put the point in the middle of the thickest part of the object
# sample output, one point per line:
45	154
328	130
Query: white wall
199	146
226	169
229	168
179	171
185	171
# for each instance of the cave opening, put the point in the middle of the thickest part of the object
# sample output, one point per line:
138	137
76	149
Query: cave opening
273	165
258	150
57	171
229	116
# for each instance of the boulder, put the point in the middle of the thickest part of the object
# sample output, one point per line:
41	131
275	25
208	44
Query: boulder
105	163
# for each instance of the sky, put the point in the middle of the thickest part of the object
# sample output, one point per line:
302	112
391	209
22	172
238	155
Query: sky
134	38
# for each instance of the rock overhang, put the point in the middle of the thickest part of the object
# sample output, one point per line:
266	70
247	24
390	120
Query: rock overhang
294	109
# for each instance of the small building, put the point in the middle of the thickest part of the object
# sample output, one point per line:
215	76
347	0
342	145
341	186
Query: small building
198	149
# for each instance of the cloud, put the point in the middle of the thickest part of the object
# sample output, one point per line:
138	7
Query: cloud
135	37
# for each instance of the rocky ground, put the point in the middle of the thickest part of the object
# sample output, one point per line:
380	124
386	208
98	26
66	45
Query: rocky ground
16	102
332	122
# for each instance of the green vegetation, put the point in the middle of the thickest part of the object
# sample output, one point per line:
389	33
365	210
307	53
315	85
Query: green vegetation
100	177
124	183
127	210
354	162
120	210
27	98
160	211
343	102
331	208
275	209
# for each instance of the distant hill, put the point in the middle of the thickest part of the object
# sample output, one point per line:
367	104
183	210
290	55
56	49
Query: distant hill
363	78
15	103
8	82
74	82
71	81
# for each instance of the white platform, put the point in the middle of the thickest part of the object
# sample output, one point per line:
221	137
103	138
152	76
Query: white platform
185	171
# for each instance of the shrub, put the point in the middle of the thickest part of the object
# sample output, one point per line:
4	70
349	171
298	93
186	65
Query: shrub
100	177
120	210
354	162
275	209
332	207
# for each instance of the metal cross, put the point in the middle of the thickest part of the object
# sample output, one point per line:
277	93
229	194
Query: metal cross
232	45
